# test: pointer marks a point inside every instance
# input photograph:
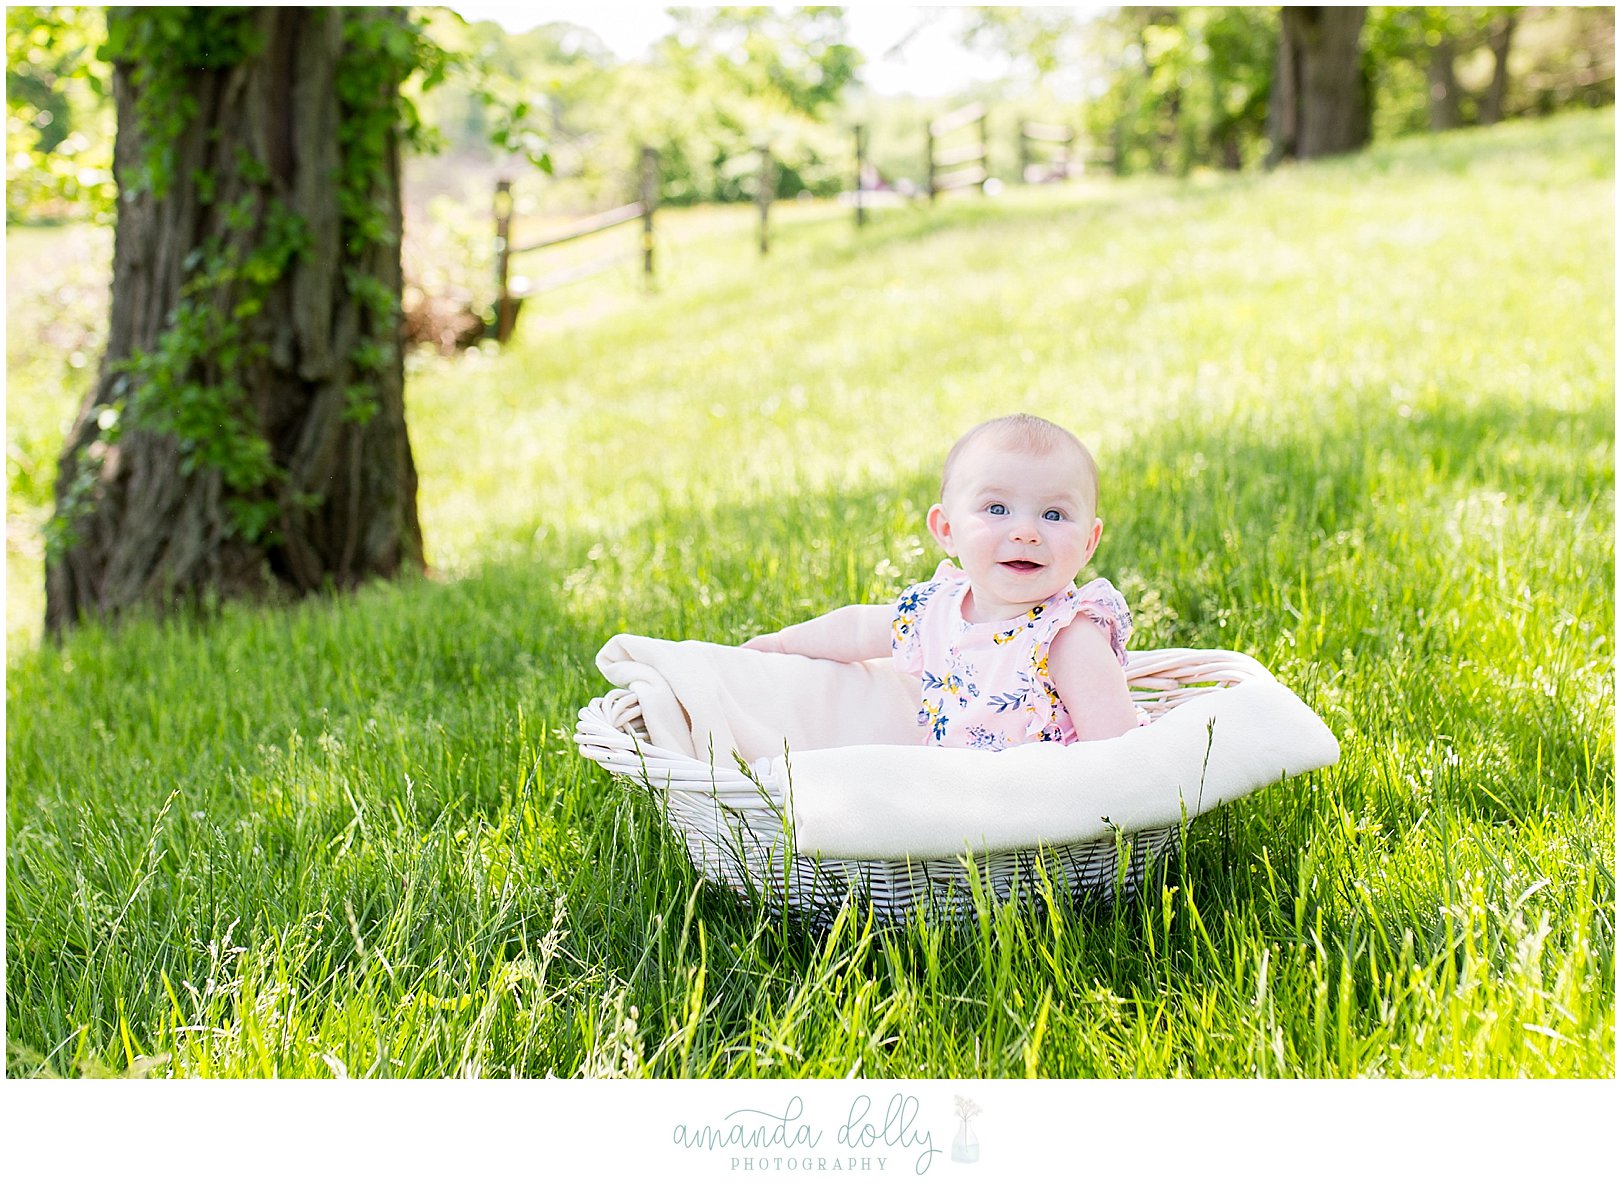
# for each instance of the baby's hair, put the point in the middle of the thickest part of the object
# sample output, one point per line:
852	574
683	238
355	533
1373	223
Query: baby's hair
1024	432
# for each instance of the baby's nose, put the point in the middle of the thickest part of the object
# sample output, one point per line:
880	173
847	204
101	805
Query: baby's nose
1026	530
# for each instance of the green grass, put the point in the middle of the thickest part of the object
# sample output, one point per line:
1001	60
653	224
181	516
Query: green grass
1356	419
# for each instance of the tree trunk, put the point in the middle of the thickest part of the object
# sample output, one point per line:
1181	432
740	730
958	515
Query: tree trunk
1445	112
1320	97
1500	39
246	435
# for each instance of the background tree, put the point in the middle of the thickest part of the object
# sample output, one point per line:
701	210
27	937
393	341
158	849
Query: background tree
742	75
1321	93
247	432
1568	60
511	100
1171	88
1422	48
1500	39
1186	87
719	82
1044	40
58	123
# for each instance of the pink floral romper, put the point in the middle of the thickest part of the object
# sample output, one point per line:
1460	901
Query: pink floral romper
986	685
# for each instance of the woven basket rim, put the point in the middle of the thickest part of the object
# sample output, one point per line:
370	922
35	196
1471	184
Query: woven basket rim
735	826
607	726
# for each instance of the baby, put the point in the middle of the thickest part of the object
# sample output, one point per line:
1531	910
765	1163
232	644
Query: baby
1007	649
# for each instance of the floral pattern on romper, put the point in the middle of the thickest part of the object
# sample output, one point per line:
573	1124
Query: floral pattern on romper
987	685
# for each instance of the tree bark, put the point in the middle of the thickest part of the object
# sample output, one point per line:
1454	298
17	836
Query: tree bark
319	376
1500	39
1320	97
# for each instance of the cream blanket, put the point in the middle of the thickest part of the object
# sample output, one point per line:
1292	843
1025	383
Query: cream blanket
843	740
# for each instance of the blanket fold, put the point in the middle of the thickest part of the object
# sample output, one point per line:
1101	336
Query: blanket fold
696	695
842	739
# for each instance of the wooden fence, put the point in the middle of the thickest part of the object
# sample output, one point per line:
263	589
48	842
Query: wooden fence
1055	141
507	304
872	188
964	164
1046	153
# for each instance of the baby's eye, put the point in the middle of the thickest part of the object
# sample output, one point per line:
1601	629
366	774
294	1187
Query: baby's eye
997	509
1052	514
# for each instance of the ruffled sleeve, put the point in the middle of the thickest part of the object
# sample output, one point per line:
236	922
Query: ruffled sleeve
1105	606
906	637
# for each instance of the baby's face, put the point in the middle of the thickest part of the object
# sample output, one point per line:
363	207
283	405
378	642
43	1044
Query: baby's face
1022	525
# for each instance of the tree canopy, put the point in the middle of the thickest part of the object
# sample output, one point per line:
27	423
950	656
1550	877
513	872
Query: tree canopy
1170	88
59	118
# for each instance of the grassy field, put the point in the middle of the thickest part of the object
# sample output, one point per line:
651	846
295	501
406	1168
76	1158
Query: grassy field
1355	419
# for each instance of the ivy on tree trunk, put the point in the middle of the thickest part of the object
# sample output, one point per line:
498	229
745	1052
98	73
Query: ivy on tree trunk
246	434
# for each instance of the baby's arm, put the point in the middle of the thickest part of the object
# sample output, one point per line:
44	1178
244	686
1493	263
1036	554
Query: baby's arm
855	633
1090	681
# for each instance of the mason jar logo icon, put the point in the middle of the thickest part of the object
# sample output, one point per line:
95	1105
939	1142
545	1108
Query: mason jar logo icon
965	1144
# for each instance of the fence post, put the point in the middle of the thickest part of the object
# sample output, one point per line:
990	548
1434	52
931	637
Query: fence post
650	196
985	147
505	314
861	176
762	196
929	131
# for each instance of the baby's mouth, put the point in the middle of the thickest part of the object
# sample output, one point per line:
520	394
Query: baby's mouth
1023	567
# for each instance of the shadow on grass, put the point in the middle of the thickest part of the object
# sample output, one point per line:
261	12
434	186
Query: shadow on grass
353	777
1333	552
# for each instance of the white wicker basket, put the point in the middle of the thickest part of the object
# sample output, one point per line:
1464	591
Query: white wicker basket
737	832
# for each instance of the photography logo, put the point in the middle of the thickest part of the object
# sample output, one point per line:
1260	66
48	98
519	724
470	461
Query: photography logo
853	1134
964	1143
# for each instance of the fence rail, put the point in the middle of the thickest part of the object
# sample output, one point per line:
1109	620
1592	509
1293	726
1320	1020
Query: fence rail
1063	133
507	304
974	115
568	276
951	168
585	227
960	118
960	155
1057	168
960	179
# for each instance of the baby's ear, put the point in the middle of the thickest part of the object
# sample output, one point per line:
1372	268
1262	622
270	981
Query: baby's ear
1094	537
940	528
